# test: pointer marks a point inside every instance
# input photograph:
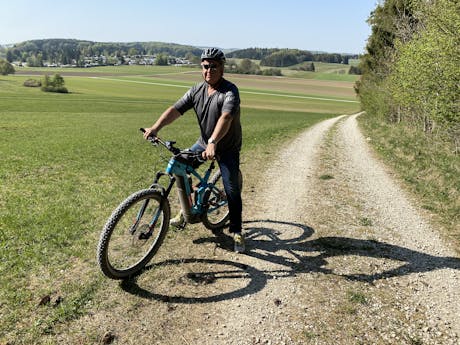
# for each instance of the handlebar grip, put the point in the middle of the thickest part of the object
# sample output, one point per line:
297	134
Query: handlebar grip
153	139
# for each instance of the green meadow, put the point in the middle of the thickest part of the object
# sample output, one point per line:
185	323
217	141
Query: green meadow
69	159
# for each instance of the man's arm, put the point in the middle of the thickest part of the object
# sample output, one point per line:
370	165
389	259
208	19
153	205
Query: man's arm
222	127
168	116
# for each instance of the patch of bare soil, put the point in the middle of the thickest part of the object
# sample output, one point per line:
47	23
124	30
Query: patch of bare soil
337	254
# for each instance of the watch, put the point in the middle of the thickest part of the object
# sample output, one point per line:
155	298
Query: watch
211	141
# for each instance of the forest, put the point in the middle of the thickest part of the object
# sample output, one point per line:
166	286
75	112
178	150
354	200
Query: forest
411	68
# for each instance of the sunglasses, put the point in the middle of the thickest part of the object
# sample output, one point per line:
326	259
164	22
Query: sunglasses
211	66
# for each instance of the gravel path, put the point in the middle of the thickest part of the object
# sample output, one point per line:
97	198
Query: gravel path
347	256
430	263
338	253
276	227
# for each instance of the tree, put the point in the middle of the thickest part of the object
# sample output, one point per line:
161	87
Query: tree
246	66
392	19
161	60
192	58
354	70
410	71
6	68
280	59
9	55
425	80
132	51
35	60
58	81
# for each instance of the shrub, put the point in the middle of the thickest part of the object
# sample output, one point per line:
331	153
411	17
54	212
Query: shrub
32	83
272	71
6	68
56	84
306	66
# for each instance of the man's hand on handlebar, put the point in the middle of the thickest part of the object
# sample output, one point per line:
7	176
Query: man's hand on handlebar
210	152
150	133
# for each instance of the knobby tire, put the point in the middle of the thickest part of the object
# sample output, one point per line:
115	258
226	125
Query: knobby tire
124	247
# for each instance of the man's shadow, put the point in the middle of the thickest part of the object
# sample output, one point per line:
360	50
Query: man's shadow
266	241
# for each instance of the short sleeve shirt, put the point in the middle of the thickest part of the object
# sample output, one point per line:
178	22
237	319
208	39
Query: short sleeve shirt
209	109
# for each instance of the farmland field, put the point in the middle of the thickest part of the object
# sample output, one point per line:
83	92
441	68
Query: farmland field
68	159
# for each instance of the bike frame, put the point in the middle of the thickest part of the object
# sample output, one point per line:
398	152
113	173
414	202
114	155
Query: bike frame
180	172
175	170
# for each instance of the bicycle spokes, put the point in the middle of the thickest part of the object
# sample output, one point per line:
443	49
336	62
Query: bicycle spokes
218	198
136	232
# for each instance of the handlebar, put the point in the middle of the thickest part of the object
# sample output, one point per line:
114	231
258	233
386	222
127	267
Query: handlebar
169	145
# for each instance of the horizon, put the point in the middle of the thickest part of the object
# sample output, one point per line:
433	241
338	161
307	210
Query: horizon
225	49
335	27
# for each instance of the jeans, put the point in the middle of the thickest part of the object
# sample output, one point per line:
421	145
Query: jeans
229	164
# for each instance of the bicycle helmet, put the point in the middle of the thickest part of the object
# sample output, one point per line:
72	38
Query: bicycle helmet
213	54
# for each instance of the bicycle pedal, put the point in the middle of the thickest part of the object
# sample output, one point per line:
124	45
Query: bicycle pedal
181	226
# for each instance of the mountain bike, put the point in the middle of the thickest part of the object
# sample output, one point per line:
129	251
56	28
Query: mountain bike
137	227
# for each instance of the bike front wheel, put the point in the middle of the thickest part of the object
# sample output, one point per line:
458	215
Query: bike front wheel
133	234
216	214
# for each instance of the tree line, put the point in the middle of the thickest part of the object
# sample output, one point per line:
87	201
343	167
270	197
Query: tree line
411	66
72	51
68	51
275	57
247	66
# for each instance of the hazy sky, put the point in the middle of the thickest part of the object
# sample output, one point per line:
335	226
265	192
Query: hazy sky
331	26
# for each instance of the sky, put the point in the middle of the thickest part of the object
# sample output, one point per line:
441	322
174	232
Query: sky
333	26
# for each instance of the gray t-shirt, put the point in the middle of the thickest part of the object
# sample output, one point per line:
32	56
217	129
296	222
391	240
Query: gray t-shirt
208	110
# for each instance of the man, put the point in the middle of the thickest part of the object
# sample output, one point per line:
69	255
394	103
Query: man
216	103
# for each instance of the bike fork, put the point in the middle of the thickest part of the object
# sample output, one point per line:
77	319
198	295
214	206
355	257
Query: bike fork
152	223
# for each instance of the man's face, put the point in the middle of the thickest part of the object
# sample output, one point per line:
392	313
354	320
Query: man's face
212	71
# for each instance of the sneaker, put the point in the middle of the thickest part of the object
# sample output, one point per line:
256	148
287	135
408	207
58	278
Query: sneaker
178	221
238	239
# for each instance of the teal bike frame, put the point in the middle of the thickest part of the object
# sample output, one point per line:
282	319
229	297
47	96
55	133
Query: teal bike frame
179	170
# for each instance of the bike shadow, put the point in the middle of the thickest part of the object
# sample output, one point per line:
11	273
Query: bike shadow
307	255
289	255
231	271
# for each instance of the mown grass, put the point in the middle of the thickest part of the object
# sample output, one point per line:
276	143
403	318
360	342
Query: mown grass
429	167
116	70
67	161
323	71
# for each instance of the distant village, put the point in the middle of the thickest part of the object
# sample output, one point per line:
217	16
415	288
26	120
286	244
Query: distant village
95	61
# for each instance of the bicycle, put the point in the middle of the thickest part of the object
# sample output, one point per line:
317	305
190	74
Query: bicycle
137	227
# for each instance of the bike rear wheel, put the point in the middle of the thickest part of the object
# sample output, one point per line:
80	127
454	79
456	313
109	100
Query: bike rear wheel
217	214
133	234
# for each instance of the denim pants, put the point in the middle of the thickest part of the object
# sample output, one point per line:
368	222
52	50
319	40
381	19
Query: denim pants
229	164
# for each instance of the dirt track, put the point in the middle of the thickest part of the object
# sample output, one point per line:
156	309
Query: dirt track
337	254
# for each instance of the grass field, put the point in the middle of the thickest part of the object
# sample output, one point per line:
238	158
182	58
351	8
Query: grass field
69	159
323	71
